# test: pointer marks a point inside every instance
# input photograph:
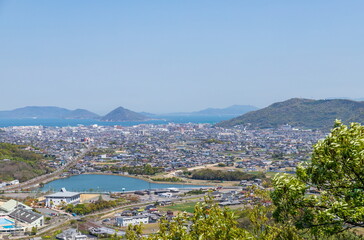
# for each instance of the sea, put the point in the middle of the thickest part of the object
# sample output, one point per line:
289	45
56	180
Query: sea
87	122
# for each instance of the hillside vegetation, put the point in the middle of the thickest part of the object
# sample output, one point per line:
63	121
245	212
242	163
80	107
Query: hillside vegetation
306	113
18	163
209	174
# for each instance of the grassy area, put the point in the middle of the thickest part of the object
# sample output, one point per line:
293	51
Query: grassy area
150	228
358	230
188	207
270	174
146	228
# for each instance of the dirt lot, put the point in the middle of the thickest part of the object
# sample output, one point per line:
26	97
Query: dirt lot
146	228
89	197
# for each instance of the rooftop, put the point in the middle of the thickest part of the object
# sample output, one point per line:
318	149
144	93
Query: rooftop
11	205
25	215
63	193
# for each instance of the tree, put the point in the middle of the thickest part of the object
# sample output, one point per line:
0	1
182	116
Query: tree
34	231
209	222
134	232
336	174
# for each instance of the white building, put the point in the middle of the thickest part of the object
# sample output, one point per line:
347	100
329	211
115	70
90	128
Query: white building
4	184
71	234
27	218
133	220
63	196
21	220
166	195
14	182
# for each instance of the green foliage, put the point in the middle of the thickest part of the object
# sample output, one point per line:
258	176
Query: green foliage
86	208
34	231
209	222
134	232
209	174
17	152
195	192
146	169
337	173
167	179
182	207
22	164
186	173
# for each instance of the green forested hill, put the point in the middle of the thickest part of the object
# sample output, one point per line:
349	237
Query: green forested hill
18	163
315	114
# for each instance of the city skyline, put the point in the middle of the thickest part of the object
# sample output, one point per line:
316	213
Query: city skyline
165	57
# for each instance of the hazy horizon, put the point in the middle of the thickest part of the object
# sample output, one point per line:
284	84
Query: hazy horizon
103	113
161	113
169	56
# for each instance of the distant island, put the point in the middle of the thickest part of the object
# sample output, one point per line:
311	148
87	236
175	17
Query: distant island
117	115
51	112
48	112
123	114
306	113
234	110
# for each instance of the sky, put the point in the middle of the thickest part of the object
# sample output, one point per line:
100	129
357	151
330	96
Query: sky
174	56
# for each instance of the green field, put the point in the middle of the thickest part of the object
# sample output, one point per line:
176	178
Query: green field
270	174
188	207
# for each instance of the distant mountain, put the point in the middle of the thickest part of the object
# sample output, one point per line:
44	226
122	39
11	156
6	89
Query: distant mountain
149	115
307	113
48	112
82	114
347	98
123	114
232	110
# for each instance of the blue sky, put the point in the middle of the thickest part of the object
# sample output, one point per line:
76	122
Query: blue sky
170	56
